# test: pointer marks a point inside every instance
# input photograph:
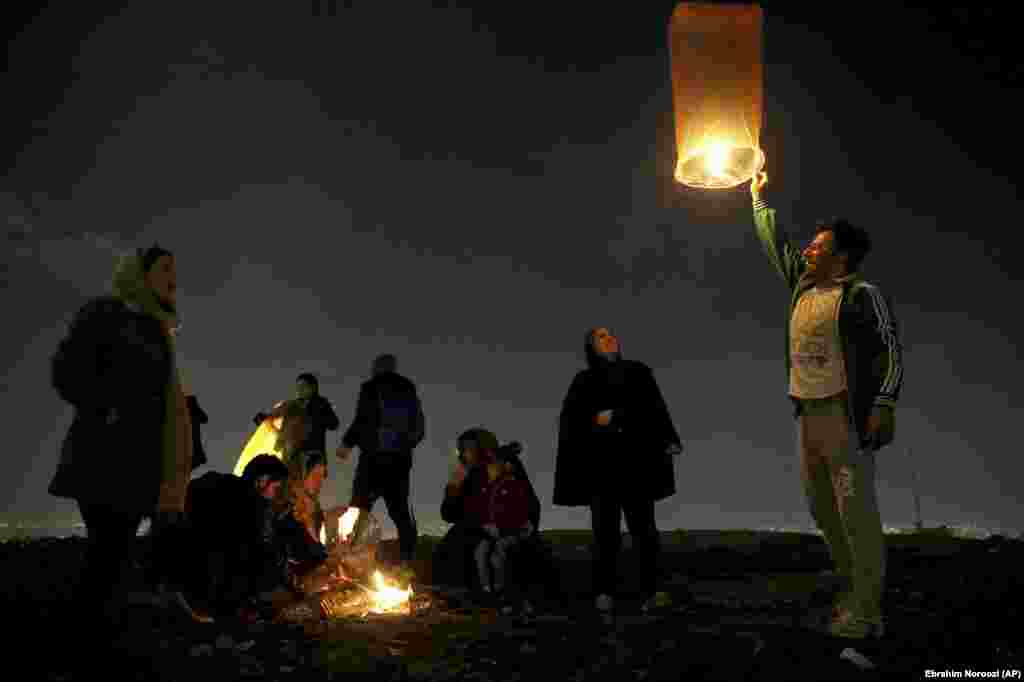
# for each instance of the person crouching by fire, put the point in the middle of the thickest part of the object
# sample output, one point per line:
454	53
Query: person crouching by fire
302	518
233	538
307	471
128	452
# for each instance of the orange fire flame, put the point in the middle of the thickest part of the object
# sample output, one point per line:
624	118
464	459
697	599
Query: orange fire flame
387	598
347	523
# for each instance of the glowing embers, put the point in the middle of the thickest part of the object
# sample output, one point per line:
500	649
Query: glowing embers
386	597
358	600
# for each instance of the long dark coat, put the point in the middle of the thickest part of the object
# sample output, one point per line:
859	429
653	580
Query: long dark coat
628	457
113	367
198	418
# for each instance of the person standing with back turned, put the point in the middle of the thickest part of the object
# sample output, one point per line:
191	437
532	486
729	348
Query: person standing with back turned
387	427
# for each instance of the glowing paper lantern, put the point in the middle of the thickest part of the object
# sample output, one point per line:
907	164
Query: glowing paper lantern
718	93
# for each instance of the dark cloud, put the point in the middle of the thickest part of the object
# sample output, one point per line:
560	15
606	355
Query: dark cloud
471	189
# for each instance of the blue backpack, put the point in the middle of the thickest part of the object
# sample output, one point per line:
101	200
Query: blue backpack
401	422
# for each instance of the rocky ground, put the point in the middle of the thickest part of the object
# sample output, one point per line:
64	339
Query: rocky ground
740	612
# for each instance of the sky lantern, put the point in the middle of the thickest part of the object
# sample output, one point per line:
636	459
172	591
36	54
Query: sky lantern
717	89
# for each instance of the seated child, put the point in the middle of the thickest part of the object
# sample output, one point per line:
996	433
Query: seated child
500	509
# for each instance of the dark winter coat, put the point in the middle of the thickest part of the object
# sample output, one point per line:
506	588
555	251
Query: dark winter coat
389	417
317	419
453	506
113	367
199	417
628	457
452	561
504	502
229	518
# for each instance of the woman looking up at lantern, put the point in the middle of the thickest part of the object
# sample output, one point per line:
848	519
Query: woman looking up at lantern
616	442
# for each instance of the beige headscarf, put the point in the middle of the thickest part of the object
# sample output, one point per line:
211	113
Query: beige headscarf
129	285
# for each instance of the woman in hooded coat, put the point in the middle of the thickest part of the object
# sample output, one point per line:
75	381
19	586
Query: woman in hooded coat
616	443
128	452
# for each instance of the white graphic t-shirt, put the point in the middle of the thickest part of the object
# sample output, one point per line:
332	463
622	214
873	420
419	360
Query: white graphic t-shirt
816	362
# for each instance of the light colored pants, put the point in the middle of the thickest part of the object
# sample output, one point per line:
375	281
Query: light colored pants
839	481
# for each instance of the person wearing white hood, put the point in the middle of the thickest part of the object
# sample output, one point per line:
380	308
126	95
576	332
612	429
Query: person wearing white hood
128	452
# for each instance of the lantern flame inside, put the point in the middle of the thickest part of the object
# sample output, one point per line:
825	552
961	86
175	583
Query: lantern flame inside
717	89
716	159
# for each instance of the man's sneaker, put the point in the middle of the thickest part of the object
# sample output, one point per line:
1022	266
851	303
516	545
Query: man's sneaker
658	600
850	626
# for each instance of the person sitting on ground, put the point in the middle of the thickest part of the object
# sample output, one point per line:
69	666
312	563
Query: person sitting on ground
500	511
453	561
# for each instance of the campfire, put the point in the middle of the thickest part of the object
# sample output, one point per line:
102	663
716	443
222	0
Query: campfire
385	598
382	595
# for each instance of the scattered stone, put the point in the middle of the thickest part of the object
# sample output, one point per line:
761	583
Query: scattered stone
858	659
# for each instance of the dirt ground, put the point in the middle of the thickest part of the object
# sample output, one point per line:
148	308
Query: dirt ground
740	611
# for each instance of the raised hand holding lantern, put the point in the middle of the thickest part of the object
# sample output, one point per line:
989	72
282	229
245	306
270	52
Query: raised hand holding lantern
717	88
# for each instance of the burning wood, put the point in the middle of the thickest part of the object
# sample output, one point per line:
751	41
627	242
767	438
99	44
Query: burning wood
364	589
388	598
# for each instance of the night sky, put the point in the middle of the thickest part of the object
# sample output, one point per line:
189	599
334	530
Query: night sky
472	185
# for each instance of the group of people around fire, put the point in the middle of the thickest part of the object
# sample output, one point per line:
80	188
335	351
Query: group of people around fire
226	546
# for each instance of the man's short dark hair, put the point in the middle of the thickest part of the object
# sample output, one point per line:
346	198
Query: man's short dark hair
310	379
152	255
265	465
850	239
385	363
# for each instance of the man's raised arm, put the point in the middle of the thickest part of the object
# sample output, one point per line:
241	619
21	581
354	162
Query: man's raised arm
787	259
